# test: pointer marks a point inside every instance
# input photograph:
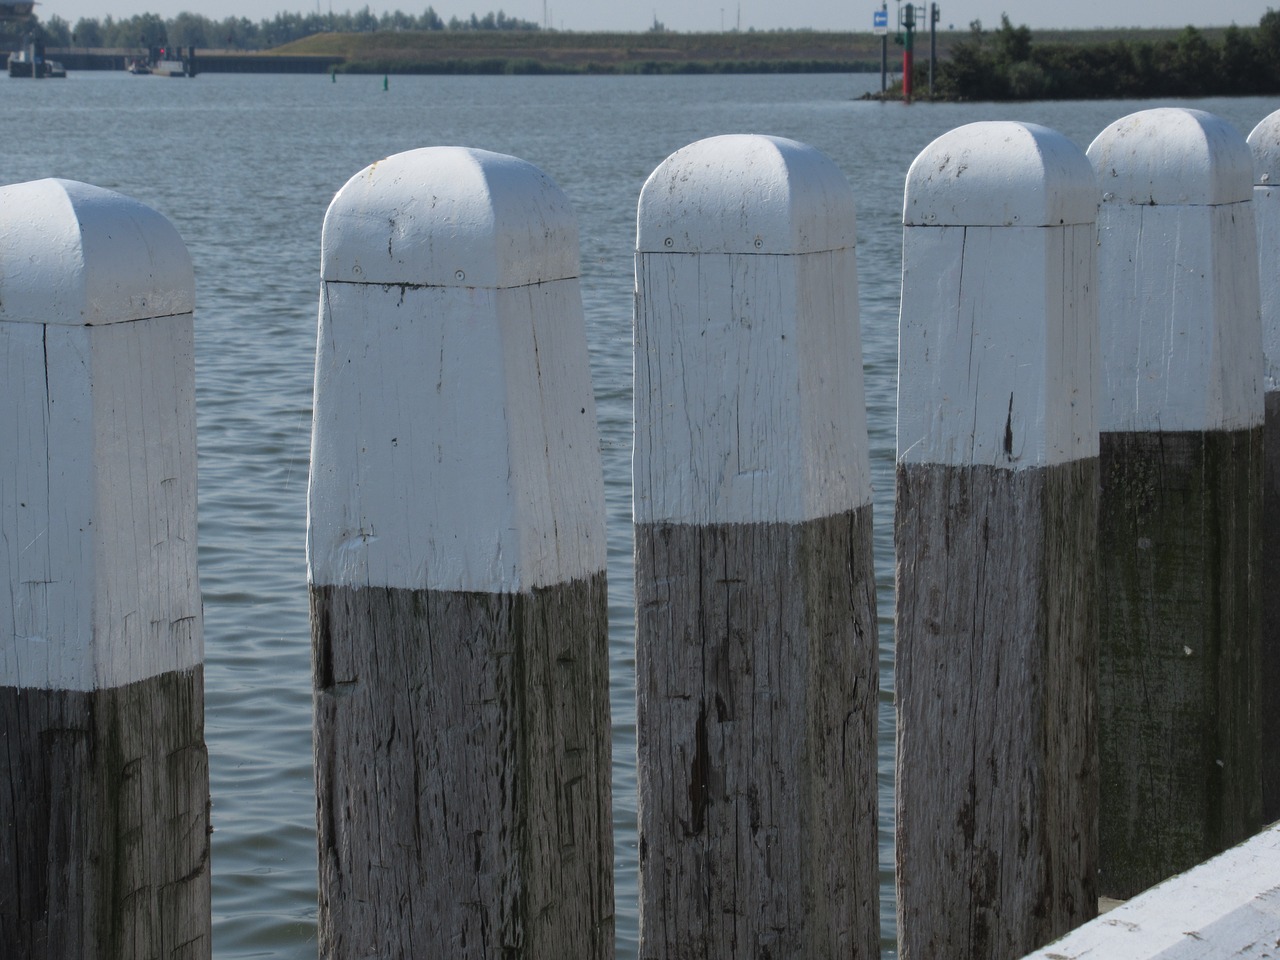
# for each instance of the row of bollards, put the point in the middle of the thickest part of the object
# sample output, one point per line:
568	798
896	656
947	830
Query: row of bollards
1082	681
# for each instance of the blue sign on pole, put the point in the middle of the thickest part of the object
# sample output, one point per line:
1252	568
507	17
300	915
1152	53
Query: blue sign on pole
880	22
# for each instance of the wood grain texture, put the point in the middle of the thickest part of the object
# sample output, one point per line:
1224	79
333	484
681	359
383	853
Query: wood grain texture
998	345
1264	141
997	769
749	402
1181	338
104	822
756	709
462	749
98	503
1180	657
1182	346
1269	705
454	444
1266	208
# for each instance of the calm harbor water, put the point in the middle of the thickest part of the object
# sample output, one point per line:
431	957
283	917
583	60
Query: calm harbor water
245	167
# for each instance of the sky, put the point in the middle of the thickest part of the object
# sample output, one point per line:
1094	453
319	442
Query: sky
712	15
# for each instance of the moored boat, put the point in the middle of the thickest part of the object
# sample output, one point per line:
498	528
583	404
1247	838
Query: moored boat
164	62
31	62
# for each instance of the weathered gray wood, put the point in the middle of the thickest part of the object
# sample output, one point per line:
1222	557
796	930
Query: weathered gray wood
756	660
1269	652
104	822
1182	413
463	772
1179	691
996	506
1264	144
456	565
756	641
104	784
997	774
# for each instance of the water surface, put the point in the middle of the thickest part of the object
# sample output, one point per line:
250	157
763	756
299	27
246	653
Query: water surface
245	167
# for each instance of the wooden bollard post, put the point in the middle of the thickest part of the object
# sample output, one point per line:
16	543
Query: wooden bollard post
104	806
1180	413
996	511
755	591
456	561
1265	144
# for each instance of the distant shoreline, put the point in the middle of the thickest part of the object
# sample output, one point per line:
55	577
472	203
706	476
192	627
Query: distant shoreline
535	52
550	52
513	52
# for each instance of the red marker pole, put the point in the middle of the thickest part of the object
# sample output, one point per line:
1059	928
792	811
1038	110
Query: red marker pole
908	28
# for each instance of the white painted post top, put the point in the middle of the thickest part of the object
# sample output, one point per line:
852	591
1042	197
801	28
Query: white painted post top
997	343
746	194
75	254
1178	274
749	404
454	442
1000	173
450	217
1264	141
97	443
1171	155
1226	907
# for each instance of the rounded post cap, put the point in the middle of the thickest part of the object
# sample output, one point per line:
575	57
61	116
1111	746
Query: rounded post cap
1172	155
1000	173
79	255
1264	142
746	193
450	217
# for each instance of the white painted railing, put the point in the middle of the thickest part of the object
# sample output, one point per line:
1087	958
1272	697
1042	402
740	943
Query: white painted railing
1227	907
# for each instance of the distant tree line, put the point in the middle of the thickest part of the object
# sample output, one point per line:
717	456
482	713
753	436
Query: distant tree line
1005	64
193	29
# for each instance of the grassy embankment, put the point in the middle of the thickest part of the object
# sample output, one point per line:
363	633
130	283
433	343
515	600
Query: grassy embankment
489	51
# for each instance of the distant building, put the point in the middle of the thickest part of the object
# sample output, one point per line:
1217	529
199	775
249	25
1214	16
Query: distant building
16	11
15	21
